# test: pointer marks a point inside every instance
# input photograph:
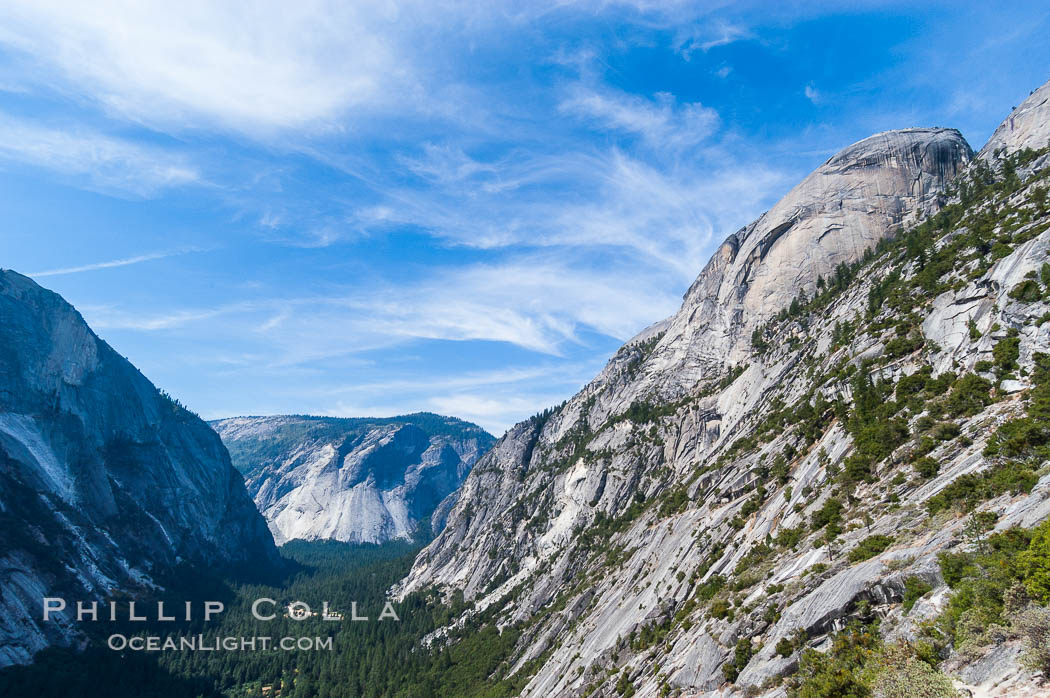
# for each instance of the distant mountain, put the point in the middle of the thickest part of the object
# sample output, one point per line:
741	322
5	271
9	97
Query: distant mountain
355	480
795	451
106	484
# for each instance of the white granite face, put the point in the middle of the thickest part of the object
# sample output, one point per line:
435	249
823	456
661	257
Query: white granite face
317	478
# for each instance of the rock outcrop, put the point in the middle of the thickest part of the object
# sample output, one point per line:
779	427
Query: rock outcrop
1028	126
856	198
353	480
106	484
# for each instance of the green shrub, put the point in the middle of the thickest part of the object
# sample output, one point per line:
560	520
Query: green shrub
789	537
926	467
707	590
911	385
926	445
979	581
1034	626
914	589
1035	564
674	501
870	547
969	395
900	672
837	673
741	656
720	609
946	431
975	333
829	513
1006	352
1028	438
1027	291
955	567
624	687
902	346
967	491
1020	438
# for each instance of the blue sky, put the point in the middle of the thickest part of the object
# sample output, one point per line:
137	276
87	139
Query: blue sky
313	207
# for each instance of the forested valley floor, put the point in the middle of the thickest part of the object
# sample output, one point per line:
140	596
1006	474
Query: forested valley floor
367	658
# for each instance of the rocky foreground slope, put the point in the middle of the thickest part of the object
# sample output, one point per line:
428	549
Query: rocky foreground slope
106	484
353	480
853	387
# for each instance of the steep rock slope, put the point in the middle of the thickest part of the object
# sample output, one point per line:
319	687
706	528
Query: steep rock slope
106	484
356	480
685	518
753	275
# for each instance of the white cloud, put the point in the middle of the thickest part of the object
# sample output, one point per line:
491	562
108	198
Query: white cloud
123	262
494	399
250	67
812	94
108	163
496	414
654	219
579	237
705	36
538	303
662	122
110	317
471	381
446	163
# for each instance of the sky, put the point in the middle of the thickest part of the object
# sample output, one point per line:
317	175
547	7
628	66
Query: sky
378	208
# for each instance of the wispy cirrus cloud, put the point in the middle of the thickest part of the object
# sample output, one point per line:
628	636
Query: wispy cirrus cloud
537	303
110	264
112	317
656	218
495	399
662	122
102	161
446	163
494	411
720	34
469	381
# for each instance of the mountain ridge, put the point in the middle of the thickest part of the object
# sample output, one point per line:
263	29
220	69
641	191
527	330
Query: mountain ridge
602	529
108	484
353	479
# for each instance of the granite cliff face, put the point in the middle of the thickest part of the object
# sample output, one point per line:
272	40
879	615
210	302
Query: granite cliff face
859	196
353	480
1028	126
603	528
106	484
